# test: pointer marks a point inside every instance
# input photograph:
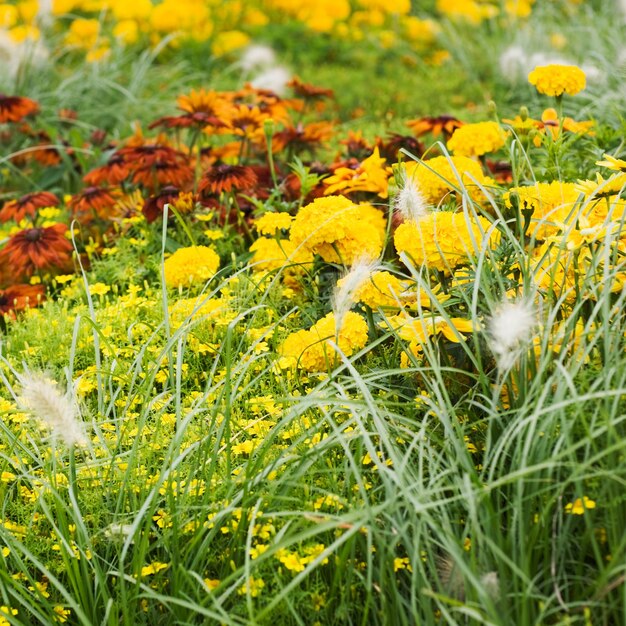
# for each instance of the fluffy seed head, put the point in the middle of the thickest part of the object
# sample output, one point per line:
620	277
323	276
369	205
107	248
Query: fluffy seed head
410	202
257	56
274	79
509	328
343	297
41	397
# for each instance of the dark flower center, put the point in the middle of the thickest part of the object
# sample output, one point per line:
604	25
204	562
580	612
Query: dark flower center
33	234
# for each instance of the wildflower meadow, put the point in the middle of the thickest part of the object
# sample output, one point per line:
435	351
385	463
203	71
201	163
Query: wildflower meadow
312	312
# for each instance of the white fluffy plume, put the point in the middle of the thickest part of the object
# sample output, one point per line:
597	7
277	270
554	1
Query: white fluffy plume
274	79
42	397
510	328
410	202
257	56
343	297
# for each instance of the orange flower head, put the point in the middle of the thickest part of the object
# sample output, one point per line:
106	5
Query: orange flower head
36	250
226	178
16	108
27	206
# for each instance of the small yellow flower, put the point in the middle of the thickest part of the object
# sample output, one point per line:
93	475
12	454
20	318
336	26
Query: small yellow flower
153	568
579	506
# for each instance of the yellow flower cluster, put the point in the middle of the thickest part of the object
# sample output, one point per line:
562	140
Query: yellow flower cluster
310	350
555	80
269	223
339	230
443	240
382	289
551	204
190	266
437	178
270	254
477	139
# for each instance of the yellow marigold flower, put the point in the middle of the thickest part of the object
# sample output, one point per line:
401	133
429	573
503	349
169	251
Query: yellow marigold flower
253	586
555	80
270	254
195	264
382	289
269	223
552	205
5	610
477	139
443	240
339	230
310	350
229	40
439	177
579	506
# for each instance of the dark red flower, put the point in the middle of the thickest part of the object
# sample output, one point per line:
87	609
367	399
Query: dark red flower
199	119
154	205
16	108
27	205
20	297
226	178
303	136
395	142
37	249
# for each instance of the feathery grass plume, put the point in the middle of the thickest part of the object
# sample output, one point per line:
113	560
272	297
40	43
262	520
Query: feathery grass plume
343	297
273	79
41	397
410	202
257	56
509	328
450	576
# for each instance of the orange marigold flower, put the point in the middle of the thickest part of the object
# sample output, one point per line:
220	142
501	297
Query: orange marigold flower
16	108
38	249
27	205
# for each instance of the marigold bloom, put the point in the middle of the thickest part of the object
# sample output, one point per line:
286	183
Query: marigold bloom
27	205
382	289
270	254
269	223
189	266
37	249
477	139
311	350
551	205
442	240
16	108
437	178
338	230
20	297
555	80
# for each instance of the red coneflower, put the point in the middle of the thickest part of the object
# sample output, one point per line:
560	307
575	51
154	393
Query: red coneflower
113	172
28	204
154	205
303	136
395	142
444	124
37	249
20	297
309	92
226	178
16	108
167	173
94	201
